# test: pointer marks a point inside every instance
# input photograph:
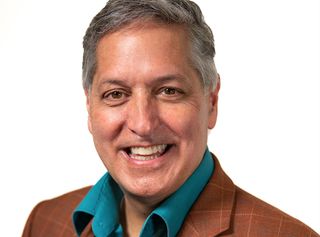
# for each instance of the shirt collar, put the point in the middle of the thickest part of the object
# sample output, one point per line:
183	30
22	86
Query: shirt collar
175	208
102	203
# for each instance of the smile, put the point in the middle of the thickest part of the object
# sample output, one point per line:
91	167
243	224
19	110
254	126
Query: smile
147	153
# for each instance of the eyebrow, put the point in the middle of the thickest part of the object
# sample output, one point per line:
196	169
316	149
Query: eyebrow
114	82
157	80
171	77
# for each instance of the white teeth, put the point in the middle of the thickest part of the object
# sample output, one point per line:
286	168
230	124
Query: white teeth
147	153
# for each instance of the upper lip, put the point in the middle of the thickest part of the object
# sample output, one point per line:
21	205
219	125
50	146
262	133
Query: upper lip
148	145
145	145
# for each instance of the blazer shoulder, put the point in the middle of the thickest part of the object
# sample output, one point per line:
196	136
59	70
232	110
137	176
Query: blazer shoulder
259	217
70	198
53	217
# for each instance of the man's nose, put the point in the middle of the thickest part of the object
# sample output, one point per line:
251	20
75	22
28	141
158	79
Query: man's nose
142	116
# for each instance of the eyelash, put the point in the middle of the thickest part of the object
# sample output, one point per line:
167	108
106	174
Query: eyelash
109	94
169	90
118	96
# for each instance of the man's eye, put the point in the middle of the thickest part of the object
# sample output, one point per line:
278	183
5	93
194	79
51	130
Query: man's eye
169	91
114	95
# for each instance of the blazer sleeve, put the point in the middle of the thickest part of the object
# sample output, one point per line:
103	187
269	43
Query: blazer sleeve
27	231
53	217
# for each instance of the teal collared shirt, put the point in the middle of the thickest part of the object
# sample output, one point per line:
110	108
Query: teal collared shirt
102	203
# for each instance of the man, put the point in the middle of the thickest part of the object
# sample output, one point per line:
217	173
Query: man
152	92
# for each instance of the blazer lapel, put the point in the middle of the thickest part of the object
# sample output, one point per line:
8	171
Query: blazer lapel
211	214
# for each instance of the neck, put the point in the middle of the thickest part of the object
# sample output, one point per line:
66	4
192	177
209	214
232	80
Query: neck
133	215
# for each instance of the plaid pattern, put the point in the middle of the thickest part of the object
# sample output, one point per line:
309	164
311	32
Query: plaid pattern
222	209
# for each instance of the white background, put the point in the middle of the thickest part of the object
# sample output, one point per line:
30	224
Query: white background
267	136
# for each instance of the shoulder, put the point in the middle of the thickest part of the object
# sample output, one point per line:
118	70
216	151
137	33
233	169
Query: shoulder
223	209
62	206
69	200
54	217
254	217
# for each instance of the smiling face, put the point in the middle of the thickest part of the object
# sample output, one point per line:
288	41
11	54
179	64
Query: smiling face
148	111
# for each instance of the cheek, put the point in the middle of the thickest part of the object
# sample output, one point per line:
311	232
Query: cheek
185	121
105	123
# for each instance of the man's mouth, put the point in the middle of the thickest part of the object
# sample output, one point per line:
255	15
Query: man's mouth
147	153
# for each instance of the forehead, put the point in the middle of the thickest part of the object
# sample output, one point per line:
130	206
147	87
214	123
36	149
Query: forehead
144	49
141	31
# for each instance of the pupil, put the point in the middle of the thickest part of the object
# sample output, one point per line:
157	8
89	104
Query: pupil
170	91
116	94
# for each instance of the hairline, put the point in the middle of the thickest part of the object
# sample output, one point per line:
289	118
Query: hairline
152	21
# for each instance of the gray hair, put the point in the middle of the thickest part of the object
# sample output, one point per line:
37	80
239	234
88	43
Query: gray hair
120	13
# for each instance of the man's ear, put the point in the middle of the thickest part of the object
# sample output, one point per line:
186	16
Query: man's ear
213	104
87	93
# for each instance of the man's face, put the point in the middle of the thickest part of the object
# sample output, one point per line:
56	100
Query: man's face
148	111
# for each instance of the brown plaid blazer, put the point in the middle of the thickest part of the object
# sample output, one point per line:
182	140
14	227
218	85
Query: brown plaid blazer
222	209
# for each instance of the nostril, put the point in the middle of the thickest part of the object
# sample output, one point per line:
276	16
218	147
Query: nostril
143	127
142	116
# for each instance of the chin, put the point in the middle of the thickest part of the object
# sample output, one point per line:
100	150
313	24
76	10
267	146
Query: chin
146	191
